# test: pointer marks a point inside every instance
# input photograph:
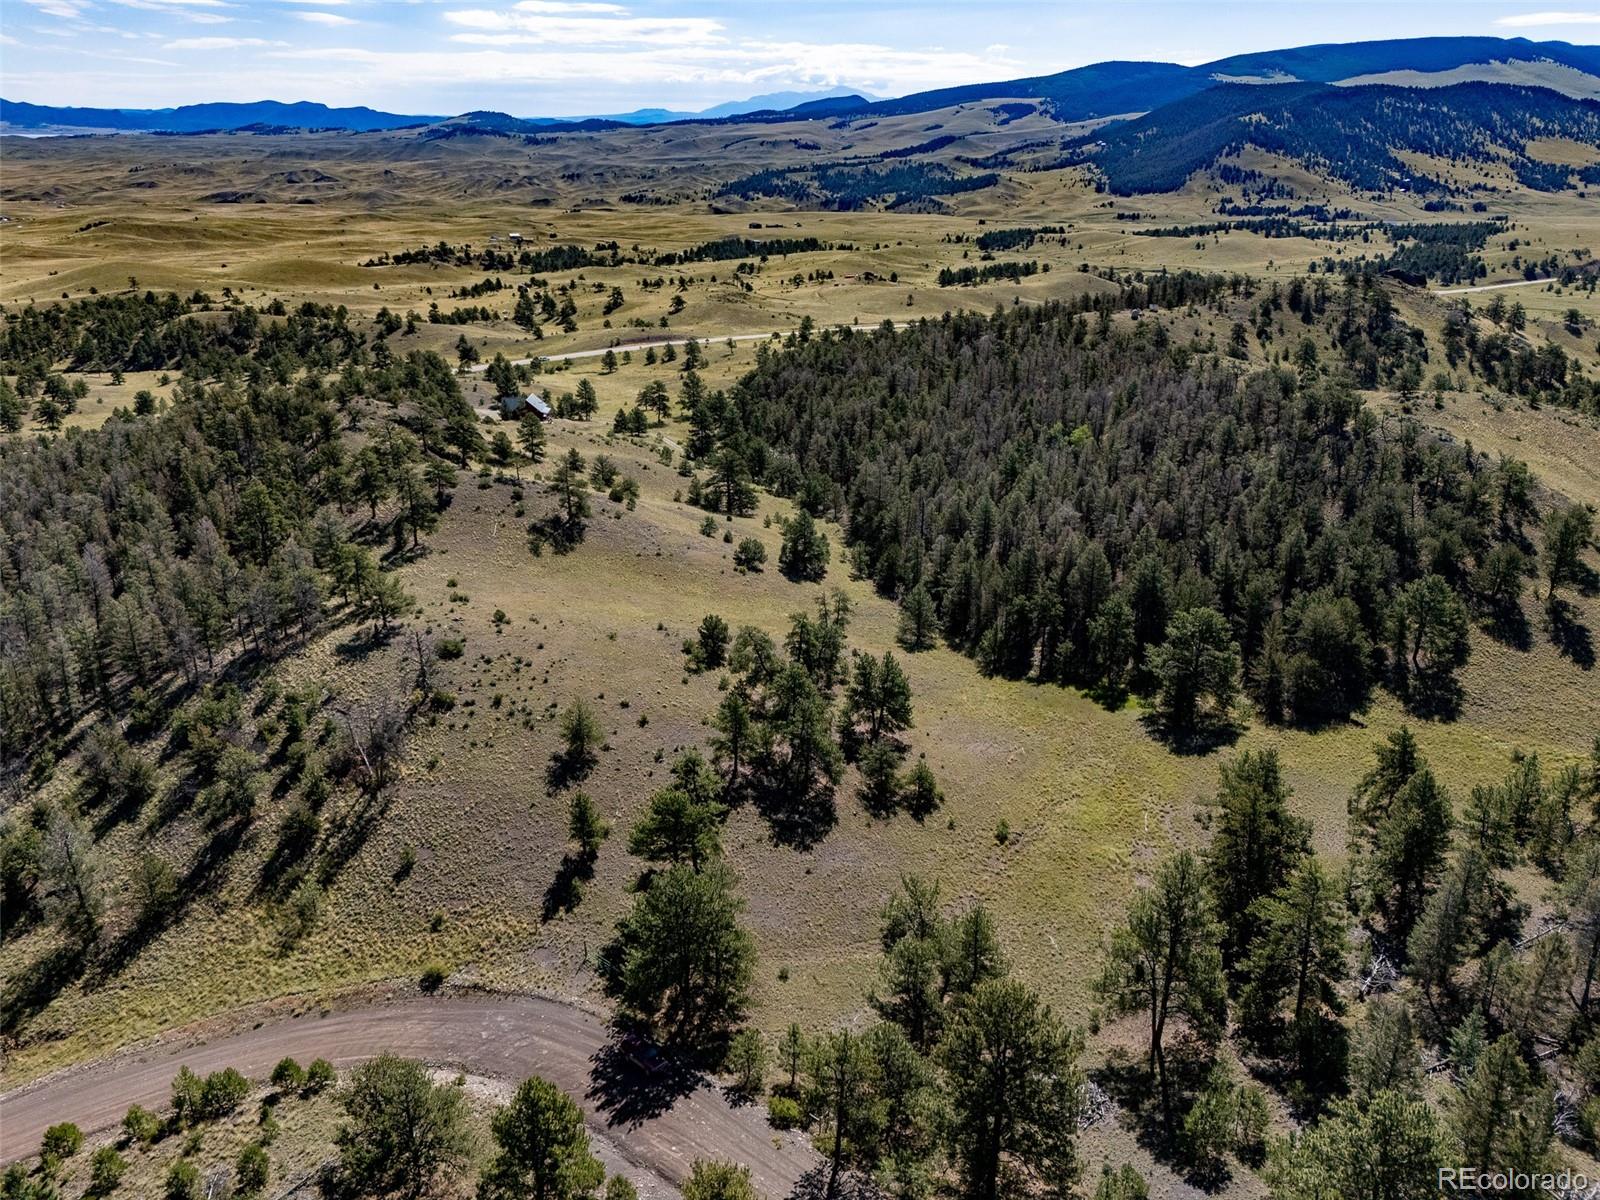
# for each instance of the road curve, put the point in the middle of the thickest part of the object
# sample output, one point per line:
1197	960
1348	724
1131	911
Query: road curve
659	1123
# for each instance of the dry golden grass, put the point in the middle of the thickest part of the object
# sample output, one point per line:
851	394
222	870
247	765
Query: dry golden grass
1090	800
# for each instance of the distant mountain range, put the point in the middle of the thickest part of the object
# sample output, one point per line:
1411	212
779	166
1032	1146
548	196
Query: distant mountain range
1111	89
1349	111
304	114
194	118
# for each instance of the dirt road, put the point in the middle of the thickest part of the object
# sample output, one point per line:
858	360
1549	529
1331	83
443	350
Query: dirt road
1490	287
705	339
658	1123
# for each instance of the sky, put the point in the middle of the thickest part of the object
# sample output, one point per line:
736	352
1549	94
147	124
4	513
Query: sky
577	57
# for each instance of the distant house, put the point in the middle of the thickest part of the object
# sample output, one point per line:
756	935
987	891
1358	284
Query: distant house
515	237
512	407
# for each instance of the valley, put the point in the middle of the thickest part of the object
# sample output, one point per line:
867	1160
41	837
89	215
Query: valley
1048	380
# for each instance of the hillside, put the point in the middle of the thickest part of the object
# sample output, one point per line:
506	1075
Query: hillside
969	560
1082	93
1353	134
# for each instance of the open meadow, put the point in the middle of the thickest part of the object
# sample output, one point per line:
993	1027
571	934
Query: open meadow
1059	800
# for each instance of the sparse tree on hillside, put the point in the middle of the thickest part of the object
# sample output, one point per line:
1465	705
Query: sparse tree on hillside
543	1150
1015	1092
1255	846
70	878
1165	961
403	1134
804	554
919	621
685	959
1566	532
1197	669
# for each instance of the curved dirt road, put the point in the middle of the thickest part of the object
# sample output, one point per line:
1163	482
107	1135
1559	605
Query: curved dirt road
658	1123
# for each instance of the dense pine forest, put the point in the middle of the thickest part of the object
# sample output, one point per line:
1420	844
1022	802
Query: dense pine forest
1096	504
1351	134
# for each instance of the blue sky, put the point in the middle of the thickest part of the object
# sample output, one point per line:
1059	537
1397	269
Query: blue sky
562	57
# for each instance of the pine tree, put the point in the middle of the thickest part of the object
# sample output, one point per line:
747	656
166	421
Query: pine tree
543	1148
1165	961
1384	1055
1015	1090
531	436
919	622
1255	848
1408	837
585	826
1298	960
686	959
1390	1148
1502	1116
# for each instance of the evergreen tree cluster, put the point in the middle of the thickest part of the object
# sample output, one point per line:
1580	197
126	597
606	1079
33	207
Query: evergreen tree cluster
1063	491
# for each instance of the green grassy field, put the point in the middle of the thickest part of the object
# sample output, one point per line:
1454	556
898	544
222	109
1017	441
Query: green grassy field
1089	799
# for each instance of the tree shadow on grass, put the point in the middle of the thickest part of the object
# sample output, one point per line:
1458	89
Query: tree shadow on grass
1130	1082
566	889
1435	696
1198	740
206	875
1509	626
348	833
850	1185
365	641
567	768
799	823
30	991
1570	636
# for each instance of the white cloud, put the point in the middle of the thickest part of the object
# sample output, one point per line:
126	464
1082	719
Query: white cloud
217	43
718	63
1538	19
560	6
325	18
172	6
555	23
67	10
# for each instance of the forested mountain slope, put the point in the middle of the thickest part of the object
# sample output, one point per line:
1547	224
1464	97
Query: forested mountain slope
1350	134
1053	492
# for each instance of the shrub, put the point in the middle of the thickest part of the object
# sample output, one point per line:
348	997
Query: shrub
252	1169
711	643
105	1171
141	1125
750	554
223	1092
433	976
183	1181
747	1062
288	1075
187	1092
718	1181
60	1143
320	1075
783	1112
